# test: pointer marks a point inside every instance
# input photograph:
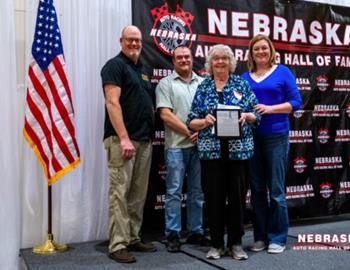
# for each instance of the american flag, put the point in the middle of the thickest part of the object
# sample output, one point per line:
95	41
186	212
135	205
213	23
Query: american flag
49	116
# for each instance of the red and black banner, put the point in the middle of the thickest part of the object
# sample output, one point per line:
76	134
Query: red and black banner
312	39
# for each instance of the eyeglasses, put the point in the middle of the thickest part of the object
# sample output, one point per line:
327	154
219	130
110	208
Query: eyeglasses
131	40
222	58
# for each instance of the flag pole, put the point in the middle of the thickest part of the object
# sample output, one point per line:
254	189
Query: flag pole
49	102
50	246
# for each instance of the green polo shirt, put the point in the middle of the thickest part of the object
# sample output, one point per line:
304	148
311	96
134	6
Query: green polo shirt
176	94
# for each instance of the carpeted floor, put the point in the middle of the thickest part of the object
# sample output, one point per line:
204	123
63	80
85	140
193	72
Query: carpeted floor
93	255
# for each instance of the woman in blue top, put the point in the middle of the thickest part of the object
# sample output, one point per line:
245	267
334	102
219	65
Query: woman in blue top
223	161
278	95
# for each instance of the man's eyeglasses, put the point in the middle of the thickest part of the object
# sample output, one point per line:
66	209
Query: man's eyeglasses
131	40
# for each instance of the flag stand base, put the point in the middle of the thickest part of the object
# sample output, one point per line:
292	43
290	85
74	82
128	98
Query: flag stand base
50	247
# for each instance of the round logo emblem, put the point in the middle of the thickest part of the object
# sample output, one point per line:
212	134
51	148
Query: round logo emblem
326	190
300	164
171	30
322	83
323	135
162	170
298	114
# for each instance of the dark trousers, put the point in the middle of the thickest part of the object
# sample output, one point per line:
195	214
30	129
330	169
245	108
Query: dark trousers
224	186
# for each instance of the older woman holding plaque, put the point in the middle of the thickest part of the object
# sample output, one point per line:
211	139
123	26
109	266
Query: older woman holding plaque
224	160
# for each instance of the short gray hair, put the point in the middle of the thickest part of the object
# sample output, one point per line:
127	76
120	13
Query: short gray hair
228	52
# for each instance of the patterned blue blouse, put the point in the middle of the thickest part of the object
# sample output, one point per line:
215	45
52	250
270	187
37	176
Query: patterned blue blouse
206	100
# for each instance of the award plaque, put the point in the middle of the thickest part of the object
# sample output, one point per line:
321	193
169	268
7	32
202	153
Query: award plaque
227	122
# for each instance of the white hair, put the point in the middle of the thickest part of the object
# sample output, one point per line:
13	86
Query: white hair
227	50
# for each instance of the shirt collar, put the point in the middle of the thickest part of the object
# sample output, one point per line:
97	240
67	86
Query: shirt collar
128	60
177	76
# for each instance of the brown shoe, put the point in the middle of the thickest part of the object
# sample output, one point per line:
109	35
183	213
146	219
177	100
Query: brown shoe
142	247
122	256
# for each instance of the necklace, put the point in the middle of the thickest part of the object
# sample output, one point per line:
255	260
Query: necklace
262	73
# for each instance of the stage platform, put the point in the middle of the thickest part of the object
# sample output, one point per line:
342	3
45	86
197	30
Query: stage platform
93	255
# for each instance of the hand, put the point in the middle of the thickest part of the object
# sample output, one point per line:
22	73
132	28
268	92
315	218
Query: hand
243	119
209	120
194	137
263	109
247	118
128	149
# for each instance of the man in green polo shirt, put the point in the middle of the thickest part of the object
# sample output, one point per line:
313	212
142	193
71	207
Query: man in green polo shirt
174	95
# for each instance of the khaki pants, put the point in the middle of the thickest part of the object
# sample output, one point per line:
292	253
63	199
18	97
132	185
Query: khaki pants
127	191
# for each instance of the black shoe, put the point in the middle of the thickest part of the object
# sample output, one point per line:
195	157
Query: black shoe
198	239
142	247
122	256
173	242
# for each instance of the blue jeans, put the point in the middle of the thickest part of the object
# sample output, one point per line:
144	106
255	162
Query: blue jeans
179	163
268	171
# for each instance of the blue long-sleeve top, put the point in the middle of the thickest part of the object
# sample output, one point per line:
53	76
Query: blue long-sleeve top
206	101
279	87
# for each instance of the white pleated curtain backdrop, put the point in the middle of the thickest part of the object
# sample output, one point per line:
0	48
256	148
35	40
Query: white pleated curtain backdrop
90	31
